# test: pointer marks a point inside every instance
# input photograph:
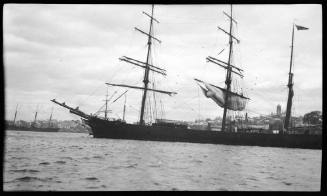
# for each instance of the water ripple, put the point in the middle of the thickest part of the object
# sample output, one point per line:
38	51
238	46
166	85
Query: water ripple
32	178
91	178
25	171
71	161
60	162
44	163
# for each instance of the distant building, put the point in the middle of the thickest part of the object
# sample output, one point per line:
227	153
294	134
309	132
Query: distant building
279	110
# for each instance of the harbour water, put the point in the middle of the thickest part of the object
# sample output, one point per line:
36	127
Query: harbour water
42	161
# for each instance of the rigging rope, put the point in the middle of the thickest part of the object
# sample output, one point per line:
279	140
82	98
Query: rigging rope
117	68
199	111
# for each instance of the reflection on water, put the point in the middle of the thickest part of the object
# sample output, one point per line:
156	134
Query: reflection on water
76	161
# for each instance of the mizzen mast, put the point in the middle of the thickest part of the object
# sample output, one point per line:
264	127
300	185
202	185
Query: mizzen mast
290	81
290	88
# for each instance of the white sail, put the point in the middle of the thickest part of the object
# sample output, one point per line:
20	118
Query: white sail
235	101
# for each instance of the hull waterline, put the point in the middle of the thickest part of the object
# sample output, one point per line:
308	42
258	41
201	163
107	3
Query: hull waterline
120	130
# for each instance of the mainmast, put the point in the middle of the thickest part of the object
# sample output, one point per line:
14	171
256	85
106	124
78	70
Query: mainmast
228	65
228	75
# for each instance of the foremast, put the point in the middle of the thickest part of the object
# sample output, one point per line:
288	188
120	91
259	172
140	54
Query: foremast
146	71
147	67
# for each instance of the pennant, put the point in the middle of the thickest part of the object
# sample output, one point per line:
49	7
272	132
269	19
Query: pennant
301	28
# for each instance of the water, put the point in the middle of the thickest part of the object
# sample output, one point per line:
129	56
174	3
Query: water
60	161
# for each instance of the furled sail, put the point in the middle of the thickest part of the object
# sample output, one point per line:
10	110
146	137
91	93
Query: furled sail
235	101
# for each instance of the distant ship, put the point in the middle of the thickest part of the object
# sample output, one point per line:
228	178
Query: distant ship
163	130
33	127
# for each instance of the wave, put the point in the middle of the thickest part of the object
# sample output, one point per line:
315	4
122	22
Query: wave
60	162
132	166
70	158
44	163
25	170
91	178
287	183
32	178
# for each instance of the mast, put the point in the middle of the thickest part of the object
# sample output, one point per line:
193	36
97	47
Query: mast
228	75
290	88
124	109
162	111
146	72
147	67
106	110
50	117
35	117
227	93
15	114
290	81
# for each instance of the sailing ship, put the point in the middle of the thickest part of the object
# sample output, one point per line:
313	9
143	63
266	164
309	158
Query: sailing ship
33	127
173	132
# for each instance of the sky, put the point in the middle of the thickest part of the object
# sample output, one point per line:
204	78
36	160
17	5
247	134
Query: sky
68	52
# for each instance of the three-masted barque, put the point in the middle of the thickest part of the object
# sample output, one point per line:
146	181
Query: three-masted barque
161	131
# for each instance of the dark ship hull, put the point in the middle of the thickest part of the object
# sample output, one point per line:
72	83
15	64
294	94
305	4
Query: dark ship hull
120	130
35	129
